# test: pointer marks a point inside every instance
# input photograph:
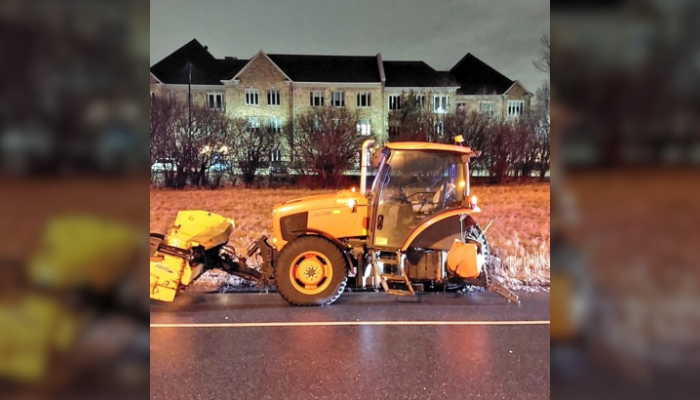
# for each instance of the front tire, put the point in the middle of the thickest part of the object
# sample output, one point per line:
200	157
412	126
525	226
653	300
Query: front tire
311	271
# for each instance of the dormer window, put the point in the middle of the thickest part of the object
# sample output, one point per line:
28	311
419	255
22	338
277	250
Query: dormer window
516	108
273	97
252	97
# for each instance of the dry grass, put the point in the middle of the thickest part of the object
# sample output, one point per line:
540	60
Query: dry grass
519	235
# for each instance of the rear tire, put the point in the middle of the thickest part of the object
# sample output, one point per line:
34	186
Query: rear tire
311	271
474	234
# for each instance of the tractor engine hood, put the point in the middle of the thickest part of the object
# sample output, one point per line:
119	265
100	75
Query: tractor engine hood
336	215
322	201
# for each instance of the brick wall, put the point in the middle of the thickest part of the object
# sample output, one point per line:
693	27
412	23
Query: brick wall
375	113
499	102
262	75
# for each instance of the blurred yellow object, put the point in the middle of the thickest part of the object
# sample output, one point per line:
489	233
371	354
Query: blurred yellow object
563	326
78	251
172	253
33	329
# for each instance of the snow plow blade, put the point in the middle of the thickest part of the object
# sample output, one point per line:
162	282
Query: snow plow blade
503	291
195	244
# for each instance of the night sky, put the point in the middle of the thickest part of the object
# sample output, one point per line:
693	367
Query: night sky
503	33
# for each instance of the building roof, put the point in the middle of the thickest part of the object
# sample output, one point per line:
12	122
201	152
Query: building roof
314	68
414	74
231	67
206	69
477	77
470	74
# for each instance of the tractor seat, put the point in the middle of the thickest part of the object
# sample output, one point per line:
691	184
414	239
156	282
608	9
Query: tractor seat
426	208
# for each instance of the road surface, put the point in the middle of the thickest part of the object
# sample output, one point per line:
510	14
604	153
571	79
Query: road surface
366	346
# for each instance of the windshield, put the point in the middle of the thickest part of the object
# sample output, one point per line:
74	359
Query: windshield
415	186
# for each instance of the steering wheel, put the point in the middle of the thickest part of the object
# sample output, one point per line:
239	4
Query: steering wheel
400	196
427	200
408	197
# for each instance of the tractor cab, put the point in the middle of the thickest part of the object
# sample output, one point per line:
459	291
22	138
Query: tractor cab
414	183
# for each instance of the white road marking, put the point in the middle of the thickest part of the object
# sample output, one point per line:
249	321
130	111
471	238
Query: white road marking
350	323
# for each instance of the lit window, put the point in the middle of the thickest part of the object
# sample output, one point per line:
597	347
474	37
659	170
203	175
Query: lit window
394	102
215	101
274	124
439	128
440	105
252	97
487	108
276	155
338	99
516	108
273	97
364	128
364	99
253	124
316	99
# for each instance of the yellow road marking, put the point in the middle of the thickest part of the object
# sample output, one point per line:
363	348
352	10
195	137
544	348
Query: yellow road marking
350	323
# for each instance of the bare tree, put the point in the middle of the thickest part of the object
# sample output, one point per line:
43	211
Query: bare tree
192	144
525	150
251	147
161	117
414	123
509	147
543	61
474	127
209	128
327	142
542	121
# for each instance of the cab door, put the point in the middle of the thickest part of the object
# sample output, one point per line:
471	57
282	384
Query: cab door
412	186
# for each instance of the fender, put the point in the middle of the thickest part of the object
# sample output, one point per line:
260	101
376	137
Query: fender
441	218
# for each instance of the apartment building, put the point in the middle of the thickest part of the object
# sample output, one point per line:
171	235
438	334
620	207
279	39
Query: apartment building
269	90
485	90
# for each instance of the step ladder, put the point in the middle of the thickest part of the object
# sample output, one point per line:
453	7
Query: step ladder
385	279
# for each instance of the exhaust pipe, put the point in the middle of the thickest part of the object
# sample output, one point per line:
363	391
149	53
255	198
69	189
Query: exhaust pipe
364	165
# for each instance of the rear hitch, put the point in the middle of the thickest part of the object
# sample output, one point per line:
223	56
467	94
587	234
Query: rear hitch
228	261
268	253
239	268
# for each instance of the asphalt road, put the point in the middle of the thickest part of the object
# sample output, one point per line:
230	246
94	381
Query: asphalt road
366	346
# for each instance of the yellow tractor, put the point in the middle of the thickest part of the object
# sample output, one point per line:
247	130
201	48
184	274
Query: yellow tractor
414	227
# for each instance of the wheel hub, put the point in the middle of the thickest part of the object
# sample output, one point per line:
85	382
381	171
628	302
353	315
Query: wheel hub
311	273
